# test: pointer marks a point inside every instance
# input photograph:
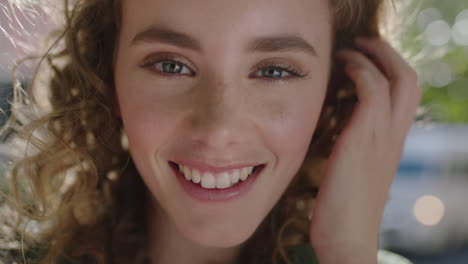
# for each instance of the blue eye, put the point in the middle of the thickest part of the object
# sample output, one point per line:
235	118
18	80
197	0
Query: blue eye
167	65
173	67
273	72
278	73
277	70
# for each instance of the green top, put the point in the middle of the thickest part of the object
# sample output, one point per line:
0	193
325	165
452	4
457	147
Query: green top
304	254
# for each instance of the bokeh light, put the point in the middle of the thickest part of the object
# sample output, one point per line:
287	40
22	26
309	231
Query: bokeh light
460	29
437	33
437	74
427	16
429	210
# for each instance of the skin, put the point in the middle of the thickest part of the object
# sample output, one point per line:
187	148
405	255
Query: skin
388	94
228	112
224	115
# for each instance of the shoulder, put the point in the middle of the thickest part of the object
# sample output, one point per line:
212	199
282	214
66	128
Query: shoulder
387	257
304	254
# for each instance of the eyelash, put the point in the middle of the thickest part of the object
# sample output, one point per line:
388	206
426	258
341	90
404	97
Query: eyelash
294	72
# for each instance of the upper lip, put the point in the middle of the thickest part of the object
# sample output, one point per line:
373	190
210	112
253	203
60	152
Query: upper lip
204	167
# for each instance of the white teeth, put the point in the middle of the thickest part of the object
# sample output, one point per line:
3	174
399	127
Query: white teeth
186	172
235	176
244	173
196	177
208	181
221	181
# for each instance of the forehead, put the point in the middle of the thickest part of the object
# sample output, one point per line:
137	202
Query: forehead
230	21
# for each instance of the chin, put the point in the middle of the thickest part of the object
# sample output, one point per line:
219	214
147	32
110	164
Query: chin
221	236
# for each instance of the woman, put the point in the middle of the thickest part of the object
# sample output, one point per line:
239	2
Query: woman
232	113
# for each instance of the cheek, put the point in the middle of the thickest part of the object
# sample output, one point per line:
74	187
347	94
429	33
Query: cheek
145	124
147	127
294	122
144	121
290	131
147	116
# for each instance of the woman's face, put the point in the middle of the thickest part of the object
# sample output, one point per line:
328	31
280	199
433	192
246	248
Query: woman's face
212	85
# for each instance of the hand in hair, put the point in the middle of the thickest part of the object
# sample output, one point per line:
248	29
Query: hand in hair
354	189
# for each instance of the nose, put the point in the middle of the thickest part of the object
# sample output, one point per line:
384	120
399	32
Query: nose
218	119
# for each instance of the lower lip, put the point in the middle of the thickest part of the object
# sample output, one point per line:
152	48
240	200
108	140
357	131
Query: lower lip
217	195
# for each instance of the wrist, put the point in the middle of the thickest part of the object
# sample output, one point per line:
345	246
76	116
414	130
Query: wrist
346	253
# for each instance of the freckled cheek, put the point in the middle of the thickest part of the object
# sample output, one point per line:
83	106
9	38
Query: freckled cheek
293	123
147	126
148	113
290	129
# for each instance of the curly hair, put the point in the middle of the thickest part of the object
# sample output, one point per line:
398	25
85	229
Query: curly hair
78	180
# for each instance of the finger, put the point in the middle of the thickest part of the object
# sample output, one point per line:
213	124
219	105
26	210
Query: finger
393	65
405	92
371	84
372	91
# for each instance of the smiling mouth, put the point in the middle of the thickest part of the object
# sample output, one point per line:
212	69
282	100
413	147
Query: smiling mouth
221	180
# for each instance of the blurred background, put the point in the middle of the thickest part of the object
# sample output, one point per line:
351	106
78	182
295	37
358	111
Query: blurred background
426	218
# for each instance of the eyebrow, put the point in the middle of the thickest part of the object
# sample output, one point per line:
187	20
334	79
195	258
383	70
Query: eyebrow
274	43
157	33
281	43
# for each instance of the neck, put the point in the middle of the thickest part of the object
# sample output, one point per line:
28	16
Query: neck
166	245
